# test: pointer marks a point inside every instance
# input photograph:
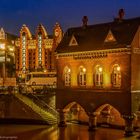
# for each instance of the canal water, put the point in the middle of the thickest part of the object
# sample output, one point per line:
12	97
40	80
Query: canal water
45	132
71	132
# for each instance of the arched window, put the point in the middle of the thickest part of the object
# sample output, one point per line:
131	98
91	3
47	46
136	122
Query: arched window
82	76
116	76
67	76
98	76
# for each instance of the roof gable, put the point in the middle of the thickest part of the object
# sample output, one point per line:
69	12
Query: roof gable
73	41
110	37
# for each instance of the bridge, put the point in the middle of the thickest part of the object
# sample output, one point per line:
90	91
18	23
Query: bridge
108	107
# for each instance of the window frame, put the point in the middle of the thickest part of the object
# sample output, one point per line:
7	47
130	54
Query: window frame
67	76
98	78
116	77
82	77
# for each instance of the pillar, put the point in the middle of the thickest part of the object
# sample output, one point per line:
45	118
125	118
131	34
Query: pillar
62	116
138	123
92	121
106	115
128	125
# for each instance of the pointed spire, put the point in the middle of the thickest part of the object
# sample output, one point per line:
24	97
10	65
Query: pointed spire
41	29
26	30
2	34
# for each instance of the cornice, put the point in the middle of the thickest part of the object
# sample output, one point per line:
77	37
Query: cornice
94	54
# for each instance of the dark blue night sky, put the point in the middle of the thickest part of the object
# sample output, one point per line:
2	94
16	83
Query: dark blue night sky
15	13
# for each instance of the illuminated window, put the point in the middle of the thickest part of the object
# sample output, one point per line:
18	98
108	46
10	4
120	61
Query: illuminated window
23	52
67	76
40	48
23	59
82	76
98	76
2	46
116	76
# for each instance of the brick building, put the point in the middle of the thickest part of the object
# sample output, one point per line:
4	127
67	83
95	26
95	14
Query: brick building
36	52
98	70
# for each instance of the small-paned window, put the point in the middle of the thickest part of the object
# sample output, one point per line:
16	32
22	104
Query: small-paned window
82	76
98	76
116	76
67	76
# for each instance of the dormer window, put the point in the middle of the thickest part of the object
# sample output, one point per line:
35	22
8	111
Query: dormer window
73	41
110	37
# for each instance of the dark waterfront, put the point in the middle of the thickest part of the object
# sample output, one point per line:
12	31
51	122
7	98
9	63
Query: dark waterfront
71	132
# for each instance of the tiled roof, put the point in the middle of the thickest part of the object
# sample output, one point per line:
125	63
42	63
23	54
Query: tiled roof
93	37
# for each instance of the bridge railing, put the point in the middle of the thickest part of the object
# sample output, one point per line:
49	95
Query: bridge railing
45	114
42	104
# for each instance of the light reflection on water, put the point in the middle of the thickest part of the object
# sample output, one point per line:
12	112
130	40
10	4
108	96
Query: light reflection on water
71	132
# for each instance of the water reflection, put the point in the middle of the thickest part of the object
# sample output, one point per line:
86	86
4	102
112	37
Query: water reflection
71	132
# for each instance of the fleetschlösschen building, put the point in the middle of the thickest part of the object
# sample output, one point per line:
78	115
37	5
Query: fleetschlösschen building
98	68
36	52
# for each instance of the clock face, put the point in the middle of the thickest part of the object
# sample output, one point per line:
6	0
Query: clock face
56	32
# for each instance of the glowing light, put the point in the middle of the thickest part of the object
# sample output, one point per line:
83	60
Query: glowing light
2	46
11	49
69	70
84	70
118	68
100	69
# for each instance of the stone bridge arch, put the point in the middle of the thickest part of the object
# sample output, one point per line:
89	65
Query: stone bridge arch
75	112
108	114
91	100
105	114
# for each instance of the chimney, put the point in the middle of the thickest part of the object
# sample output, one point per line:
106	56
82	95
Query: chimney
85	20
121	14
